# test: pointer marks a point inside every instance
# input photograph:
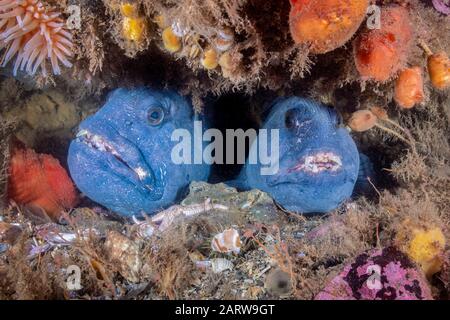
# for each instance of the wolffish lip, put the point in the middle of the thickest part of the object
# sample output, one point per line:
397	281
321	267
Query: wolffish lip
318	162
101	144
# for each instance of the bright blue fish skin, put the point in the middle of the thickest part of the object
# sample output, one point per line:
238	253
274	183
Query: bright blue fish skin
130	171
307	128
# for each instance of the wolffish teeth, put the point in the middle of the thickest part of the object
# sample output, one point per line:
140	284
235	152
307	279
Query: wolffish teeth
323	161
82	133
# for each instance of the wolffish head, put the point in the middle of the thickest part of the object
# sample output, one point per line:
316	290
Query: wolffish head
121	157
318	161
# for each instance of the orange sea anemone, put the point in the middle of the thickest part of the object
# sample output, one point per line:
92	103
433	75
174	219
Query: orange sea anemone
33	33
326	24
380	53
40	182
409	88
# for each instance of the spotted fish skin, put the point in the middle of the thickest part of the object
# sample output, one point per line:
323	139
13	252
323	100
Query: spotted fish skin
318	159
121	157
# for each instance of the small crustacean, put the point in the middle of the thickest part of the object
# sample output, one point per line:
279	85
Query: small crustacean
50	236
161	221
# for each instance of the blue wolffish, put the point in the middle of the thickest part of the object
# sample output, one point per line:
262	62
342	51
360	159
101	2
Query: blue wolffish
318	160
121	157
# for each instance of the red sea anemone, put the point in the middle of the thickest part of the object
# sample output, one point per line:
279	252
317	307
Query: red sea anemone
39	181
33	34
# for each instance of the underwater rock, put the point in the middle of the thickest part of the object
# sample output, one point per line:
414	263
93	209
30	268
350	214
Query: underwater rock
255	203
385	274
318	160
45	115
122	155
39	181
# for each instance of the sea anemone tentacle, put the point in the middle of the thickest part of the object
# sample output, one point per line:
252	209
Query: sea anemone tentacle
35	35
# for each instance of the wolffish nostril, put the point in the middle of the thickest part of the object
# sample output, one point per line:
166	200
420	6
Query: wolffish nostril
291	119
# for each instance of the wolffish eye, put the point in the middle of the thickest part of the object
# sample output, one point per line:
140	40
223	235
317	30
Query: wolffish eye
155	115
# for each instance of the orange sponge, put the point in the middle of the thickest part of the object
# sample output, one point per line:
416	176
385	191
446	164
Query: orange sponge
380	53
325	24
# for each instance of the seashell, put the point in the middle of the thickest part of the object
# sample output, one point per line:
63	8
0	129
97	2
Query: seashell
223	45
227	242
409	88
194	51
220	265
224	40
226	34
362	120
172	42
125	253
439	70
210	60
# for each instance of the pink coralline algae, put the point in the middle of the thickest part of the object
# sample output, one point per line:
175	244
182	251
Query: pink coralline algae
443	6
385	274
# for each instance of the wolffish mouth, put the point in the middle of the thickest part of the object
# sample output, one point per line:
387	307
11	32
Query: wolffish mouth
319	162
101	144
